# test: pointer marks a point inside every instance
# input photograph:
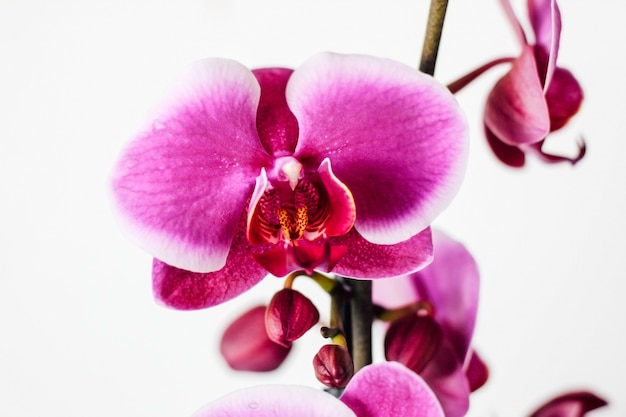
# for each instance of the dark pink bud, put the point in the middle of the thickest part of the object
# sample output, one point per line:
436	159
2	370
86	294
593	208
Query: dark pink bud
476	372
246	346
289	315
333	366
412	340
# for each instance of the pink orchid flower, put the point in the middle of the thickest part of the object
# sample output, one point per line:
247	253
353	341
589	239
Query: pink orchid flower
381	390
450	285
571	404
536	96
341	164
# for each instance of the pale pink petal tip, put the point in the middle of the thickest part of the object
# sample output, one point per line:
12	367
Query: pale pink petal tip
276	400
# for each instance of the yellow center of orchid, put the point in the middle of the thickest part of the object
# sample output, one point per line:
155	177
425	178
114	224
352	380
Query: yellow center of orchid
293	223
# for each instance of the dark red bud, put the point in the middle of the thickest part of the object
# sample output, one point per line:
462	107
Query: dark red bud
289	315
412	340
246	346
333	366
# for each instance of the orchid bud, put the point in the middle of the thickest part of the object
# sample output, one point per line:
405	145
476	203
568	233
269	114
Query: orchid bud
246	347
412	340
333	366
289	315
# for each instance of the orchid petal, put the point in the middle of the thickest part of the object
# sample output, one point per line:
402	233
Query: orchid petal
277	126
185	290
390	389
516	111
450	284
342	211
573	404
386	127
476	371
564	98
445	375
508	154
365	260
180	187
510	14
545	19
276	400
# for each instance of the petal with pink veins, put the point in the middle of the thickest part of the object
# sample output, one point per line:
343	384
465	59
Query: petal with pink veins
396	138
180	187
390	389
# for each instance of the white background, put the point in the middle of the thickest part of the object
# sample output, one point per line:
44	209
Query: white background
79	332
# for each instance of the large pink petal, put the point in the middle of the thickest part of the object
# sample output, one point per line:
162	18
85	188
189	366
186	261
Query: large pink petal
572	404
390	389
516	111
545	18
366	260
180	187
277	126
274	401
396	138
185	290
451	284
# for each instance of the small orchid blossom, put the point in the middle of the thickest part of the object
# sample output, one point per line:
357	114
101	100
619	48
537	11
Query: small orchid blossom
536	96
381	390
450	285
341	164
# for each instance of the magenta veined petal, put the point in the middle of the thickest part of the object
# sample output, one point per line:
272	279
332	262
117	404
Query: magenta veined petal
180	187
510	14
396	138
390	389
516	110
276	400
185	290
366	260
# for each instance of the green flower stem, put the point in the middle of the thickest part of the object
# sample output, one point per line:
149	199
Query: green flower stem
361	318
434	27
384	314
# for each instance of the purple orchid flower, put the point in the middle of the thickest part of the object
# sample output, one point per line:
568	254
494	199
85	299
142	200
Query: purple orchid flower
536	96
341	164
381	390
450	285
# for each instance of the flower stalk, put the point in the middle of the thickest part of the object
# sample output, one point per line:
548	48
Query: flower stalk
434	27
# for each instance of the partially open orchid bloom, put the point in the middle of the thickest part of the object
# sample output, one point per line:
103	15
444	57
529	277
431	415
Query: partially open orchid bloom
380	390
571	404
341	164
450	286
246	346
536	96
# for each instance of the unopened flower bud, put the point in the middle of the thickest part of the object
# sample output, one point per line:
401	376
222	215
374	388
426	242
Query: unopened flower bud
333	366
412	340
246	346
289	315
